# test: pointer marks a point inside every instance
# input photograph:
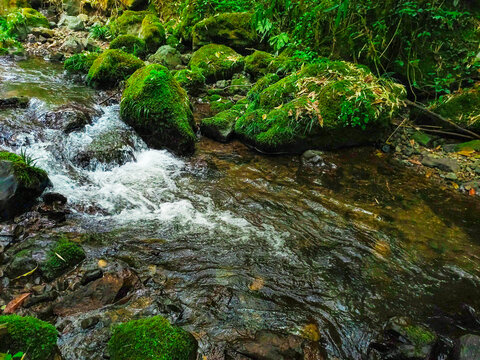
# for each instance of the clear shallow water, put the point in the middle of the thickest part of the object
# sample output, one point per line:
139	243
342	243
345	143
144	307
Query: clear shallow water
248	242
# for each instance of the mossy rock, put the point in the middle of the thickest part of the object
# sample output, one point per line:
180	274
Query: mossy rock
232	29
63	256
21	183
467	146
217	62
21	22
151	338
221	127
285	63
80	63
144	24
257	64
240	85
462	107
220	104
29	335
130	44
262	83
111	67
155	105
191	80
326	106
11	47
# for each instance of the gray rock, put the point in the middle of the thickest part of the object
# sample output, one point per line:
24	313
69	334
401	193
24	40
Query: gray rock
313	157
70	117
467	348
89	322
72	22
73	45
444	164
41	31
167	56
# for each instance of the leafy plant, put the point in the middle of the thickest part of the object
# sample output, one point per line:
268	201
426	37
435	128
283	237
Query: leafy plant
100	32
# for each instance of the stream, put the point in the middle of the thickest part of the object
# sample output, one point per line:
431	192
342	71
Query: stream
241	241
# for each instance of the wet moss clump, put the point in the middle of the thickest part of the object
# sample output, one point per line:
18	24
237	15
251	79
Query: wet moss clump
111	67
26	173
151	338
257	64
221	126
129	22
155	105
462	107
217	62
28	335
63	256
152	32
191	80
21	21
130	44
80	63
231	29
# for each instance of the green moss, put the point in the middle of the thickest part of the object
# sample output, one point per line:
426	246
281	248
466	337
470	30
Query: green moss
220	105
419	335
326	105
130	44
155	105
462	107
9	46
111	67
63	256
191	80
217	62
221	126
284	63
80	63
232	29
470	145
152	32
257	63
29	335
151	338
21	21
263	83
29	175
130	22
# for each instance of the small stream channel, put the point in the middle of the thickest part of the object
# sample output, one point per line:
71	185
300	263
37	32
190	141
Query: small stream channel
245	242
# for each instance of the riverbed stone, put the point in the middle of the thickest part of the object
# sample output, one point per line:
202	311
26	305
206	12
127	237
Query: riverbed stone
167	56
445	164
70	117
21	184
216	62
72	22
468	347
166	118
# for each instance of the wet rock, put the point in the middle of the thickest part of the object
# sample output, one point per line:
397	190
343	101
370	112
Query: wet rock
72	45
403	340
110	288
51	198
91	275
444	164
45	297
89	322
467	348
110	147
167	56
14	102
70	117
275	346
20	185
22	263
41	31
313	157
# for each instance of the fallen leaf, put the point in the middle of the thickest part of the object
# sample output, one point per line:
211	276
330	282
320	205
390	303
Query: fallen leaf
466	152
412	142
455	185
311	332
257	284
15	303
102	263
472	192
27	273
264	116
61	258
416	162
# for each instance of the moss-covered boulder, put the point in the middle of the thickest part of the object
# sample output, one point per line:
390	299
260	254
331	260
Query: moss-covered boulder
21	21
217	62
62	256
111	67
11	46
21	184
29	335
232	29
462	107
257	64
130	44
80	63
142	24
473	145
221	127
191	80
151	338
262	83
327	105
155	105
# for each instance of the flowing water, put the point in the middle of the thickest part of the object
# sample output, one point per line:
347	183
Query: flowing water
247	242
